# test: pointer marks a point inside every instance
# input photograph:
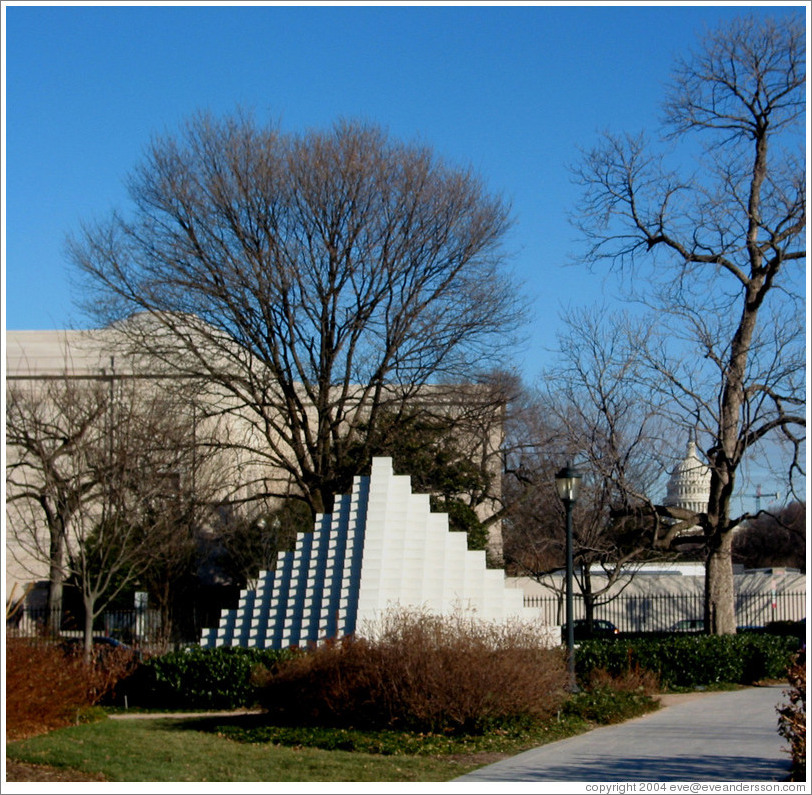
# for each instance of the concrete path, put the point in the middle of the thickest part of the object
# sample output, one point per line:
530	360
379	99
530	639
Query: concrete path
728	736
225	713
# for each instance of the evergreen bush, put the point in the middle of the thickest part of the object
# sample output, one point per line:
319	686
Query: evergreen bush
690	660
198	678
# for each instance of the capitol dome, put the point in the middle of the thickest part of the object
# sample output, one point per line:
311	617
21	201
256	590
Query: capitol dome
689	484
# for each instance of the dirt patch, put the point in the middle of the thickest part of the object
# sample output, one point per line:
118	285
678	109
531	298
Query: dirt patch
20	771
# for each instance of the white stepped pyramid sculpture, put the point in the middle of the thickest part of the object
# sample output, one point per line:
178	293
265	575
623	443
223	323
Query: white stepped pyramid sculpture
381	548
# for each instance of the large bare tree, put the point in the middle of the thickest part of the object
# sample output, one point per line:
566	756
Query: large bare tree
712	240
314	282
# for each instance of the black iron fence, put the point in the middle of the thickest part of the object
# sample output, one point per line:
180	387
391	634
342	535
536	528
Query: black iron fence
664	612
139	628
142	628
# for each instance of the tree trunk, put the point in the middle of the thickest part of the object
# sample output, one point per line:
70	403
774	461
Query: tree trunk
89	605
166	614
53	618
589	599
720	600
56	580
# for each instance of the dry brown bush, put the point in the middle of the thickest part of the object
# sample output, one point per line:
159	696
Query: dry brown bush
422	672
107	668
47	688
632	680
792	718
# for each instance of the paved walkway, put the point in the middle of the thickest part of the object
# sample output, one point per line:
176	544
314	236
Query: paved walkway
728	736
226	713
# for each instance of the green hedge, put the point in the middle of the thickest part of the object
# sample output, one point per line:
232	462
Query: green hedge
691	660
198	678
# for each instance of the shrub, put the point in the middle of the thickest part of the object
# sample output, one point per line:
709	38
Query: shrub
690	660
47	688
198	678
423	673
109	668
632	680
613	699
605	705
792	718
796	629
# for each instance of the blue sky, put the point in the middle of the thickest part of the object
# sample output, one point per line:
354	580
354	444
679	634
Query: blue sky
511	91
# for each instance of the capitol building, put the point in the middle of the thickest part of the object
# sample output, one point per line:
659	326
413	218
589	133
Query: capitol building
689	485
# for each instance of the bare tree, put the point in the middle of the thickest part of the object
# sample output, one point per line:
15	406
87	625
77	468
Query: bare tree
588	411
116	538
725	351
773	539
314	282
250	538
605	421
94	484
53	435
535	540
599	408
166	481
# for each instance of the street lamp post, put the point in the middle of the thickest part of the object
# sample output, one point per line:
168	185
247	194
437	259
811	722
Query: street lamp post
568	482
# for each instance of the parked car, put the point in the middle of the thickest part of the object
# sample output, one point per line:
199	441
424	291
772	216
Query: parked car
689	625
600	629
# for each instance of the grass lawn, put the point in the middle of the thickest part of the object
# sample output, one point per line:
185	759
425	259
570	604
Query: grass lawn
193	749
244	747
